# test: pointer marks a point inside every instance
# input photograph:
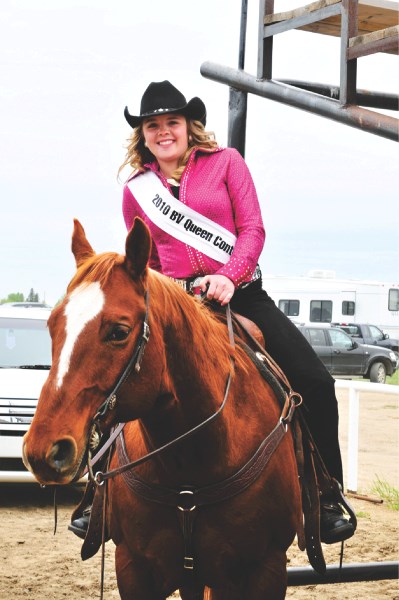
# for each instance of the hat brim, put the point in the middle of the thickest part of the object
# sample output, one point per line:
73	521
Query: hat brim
195	109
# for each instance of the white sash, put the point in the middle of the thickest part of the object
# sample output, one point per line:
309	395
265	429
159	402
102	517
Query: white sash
180	221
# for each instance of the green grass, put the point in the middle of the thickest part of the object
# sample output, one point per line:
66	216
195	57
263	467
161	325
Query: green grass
394	380
388	493
362	515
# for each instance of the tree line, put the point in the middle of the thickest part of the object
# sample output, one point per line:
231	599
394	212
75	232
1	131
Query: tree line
19	297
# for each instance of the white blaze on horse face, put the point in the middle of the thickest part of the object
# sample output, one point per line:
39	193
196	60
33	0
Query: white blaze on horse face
83	305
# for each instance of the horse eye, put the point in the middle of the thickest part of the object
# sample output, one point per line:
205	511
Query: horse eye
119	333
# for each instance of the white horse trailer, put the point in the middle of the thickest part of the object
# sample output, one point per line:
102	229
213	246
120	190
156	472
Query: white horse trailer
322	298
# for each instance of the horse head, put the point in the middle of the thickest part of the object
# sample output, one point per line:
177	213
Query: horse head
94	331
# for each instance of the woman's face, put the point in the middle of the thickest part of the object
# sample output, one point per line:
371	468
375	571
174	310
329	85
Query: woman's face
166	137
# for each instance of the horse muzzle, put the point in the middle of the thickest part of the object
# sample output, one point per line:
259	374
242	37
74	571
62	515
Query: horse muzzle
58	463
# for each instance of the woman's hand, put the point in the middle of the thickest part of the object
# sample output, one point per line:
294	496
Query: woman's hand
220	288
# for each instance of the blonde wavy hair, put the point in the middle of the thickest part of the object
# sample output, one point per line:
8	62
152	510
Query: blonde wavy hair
138	155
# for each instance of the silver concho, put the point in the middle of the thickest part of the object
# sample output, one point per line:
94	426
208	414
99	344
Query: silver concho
94	438
260	356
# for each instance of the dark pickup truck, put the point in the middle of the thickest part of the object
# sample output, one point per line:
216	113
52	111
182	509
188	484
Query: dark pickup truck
369	334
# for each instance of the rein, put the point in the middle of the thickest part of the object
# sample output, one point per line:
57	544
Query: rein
101	477
221	490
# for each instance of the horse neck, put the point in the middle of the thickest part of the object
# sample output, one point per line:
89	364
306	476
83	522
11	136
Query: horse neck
197	347
197	358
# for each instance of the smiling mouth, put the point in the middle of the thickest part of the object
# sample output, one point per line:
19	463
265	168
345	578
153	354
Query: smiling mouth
165	142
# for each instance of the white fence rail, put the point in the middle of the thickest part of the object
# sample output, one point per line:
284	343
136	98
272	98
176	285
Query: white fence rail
354	388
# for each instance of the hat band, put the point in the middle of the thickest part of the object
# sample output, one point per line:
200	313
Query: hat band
160	110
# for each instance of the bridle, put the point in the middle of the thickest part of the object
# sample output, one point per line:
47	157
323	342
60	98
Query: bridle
136	358
109	404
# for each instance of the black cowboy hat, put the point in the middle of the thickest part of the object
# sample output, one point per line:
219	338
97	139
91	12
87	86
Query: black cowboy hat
162	97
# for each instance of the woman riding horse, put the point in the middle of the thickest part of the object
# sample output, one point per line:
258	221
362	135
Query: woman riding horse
202	490
178	164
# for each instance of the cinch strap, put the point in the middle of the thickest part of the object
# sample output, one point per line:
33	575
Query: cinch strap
180	221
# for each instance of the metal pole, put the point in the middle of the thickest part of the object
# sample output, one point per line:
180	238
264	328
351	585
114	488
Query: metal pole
243	34
373	571
237	121
353	439
354	116
368	98
237	118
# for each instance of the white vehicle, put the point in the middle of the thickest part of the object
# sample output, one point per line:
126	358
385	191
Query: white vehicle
322	298
25	359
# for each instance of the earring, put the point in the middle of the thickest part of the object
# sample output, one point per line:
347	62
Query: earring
190	138
145	145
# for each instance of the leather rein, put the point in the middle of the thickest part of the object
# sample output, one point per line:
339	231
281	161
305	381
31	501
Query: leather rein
109	404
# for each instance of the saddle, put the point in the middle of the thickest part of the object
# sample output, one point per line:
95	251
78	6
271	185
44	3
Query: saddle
313	476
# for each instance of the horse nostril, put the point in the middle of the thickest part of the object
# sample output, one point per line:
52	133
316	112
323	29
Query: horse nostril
62	455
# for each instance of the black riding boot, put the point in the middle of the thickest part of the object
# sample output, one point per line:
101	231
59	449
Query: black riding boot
334	526
80	525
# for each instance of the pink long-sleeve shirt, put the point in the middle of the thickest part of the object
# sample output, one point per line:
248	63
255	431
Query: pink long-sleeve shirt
217	184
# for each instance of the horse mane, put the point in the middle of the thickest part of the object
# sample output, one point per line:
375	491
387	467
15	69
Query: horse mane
202	327
96	268
171	303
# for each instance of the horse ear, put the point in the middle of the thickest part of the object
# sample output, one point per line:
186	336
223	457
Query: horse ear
138	248
80	246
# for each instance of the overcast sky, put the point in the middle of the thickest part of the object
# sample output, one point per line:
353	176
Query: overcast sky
328	192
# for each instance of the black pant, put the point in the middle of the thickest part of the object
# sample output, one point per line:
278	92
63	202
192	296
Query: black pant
302	367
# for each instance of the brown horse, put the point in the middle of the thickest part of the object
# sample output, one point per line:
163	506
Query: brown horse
236	545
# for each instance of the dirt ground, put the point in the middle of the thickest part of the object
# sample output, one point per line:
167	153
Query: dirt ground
36	564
